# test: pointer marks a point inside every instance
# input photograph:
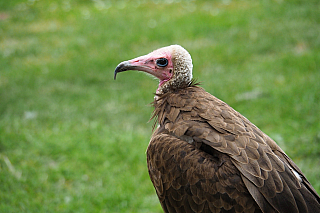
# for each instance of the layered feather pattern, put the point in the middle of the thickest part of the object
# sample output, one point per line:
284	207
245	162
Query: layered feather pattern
207	157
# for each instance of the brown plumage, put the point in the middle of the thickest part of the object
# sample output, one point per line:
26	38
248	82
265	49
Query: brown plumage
206	157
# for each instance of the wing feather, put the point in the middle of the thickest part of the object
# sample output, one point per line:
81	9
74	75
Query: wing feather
199	184
220	160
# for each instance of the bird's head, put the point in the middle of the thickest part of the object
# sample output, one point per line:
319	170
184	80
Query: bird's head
172	65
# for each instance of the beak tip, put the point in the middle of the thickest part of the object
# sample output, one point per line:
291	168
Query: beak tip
123	66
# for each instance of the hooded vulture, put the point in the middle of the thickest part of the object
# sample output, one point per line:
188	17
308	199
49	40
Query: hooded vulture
206	157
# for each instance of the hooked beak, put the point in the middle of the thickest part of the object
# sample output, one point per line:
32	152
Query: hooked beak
128	65
146	63
123	66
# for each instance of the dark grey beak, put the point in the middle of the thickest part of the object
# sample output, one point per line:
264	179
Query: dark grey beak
123	66
140	64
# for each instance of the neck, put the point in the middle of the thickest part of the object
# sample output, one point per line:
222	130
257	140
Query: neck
172	86
180	81
178	99
164	92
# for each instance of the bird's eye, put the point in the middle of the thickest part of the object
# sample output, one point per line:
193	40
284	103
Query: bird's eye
162	62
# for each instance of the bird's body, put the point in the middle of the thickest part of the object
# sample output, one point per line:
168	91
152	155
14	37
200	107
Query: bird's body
207	157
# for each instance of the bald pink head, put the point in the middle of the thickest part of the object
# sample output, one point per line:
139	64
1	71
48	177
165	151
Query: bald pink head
157	63
172	65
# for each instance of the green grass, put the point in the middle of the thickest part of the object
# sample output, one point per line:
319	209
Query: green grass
73	140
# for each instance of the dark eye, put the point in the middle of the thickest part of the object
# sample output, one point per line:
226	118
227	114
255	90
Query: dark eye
162	62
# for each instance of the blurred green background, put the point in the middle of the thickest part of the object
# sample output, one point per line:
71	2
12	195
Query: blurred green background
73	140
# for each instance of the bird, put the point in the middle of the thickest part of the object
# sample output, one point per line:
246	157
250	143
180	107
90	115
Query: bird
204	156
